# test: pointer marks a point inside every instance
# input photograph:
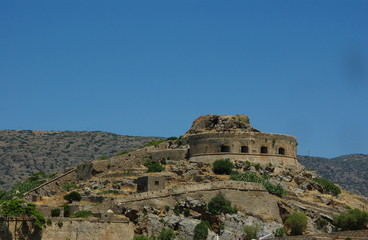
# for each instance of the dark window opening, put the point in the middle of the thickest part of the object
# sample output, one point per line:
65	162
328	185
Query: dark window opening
282	151
157	183
244	149
264	150
225	148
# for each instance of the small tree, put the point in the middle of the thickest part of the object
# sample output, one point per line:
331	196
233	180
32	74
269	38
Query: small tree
251	231
141	237
223	166
155	167
55	212
355	219
280	232
200	231
219	204
73	196
166	234
297	222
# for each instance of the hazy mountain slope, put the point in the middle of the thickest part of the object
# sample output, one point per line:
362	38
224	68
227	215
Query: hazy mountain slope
349	171
25	152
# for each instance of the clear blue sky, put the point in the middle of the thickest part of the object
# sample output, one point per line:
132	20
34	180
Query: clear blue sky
148	68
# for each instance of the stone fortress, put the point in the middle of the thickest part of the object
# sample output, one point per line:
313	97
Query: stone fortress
213	136
188	179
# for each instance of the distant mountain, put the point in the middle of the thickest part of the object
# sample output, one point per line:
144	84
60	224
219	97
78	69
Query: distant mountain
349	171
23	152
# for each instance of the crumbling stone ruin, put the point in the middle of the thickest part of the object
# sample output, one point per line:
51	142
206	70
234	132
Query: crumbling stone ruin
122	192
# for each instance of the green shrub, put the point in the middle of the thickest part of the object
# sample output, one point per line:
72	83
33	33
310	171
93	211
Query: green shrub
73	196
141	237
176	211
167	208
200	231
321	223
104	157
153	143
171	139
66	209
55	212
81	214
355	219
223	166
328	185
60	224
186	212
253	177
248	164
49	222
297	222
155	167
219	204
69	186
16	207
251	231
257	166
166	234
280	232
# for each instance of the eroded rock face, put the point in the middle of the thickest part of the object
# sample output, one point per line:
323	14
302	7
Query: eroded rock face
221	123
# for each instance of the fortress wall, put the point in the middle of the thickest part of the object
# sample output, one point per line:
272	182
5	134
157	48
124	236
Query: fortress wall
73	229
211	143
250	198
253	158
51	187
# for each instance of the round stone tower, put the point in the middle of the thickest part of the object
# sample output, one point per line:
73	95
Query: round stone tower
212	137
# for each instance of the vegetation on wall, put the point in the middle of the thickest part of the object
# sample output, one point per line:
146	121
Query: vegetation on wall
251	231
16	208
253	177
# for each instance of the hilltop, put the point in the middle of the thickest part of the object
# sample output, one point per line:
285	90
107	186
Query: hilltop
24	152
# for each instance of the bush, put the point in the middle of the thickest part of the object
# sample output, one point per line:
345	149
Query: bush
155	167
186	212
166	234
141	237
55	212
219	204
81	214
60	224
223	166
153	143
355	219
328	185
73	196
251	231
297	222
321	223
69	186
200	231
280	232
253	177
171	139
16	207
66	209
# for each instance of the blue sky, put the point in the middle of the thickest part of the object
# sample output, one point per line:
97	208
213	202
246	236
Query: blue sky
148	68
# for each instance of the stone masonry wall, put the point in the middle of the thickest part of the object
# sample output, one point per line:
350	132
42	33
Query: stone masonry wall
62	228
250	198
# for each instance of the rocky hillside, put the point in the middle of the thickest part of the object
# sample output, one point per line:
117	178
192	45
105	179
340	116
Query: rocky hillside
25	152
349	171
